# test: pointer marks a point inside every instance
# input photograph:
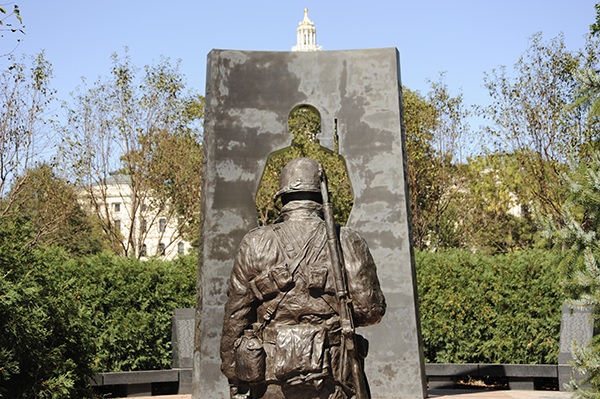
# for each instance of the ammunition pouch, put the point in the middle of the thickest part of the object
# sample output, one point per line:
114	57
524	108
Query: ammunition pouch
271	281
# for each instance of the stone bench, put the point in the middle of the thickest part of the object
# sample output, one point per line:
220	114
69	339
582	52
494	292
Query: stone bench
519	376
143	383
577	325
176	381
153	382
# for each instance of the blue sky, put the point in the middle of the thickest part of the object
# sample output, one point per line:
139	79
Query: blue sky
463	38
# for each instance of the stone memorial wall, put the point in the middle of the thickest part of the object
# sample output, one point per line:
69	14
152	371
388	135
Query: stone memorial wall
249	96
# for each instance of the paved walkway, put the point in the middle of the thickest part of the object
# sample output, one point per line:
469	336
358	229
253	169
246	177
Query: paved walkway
454	394
470	394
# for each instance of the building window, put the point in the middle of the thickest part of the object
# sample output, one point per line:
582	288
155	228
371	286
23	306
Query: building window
180	248
144	207
162	224
118	226
161	249
143	250
143	225
116	207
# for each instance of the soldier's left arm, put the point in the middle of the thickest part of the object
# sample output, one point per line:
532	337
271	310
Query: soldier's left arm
240	309
368	301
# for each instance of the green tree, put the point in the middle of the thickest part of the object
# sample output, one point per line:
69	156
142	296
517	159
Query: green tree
588	86
51	206
533	119
25	94
173	162
495	214
435	130
46	349
577	234
132	125
420	118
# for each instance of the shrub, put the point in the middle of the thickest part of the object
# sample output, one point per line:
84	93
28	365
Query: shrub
45	345
64	318
131	303
489	309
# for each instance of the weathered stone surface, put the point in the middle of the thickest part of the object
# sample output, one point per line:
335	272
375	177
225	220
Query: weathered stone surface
249	96
577	325
182	337
140	377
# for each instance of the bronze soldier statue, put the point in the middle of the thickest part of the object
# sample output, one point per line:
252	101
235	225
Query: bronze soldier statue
298	289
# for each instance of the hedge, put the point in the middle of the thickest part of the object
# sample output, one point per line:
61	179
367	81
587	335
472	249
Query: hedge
490	309
46	349
65	318
131	303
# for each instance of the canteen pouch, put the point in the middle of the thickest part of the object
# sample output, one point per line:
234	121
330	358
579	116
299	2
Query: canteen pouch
297	350
249	357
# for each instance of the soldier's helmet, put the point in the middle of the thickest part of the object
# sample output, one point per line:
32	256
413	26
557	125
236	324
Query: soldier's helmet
301	175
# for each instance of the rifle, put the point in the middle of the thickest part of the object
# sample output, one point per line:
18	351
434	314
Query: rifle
348	344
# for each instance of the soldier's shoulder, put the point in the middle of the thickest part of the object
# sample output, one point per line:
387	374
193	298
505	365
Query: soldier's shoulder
258	231
348	232
349	235
256	239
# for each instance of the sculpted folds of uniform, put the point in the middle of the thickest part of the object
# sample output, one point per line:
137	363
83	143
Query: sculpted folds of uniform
283	334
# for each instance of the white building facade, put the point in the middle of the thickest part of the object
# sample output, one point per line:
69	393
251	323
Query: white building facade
144	230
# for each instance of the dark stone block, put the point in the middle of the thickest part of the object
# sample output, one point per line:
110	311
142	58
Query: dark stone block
185	382
518	376
140	377
182	337
451	369
521	384
134	390
577	325
249	96
531	370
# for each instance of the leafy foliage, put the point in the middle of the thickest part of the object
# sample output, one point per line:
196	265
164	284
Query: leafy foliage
146	127
25	95
45	345
495	214
533	117
489	309
51	205
435	132
578	238
595	27
131	303
64	318
174	176
305	124
420	118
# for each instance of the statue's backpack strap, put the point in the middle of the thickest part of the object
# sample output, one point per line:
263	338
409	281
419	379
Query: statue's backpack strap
288	244
286	241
